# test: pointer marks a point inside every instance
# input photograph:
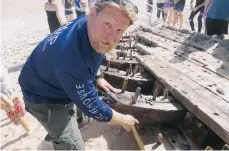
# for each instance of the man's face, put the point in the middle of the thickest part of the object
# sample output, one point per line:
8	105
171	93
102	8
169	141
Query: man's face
107	28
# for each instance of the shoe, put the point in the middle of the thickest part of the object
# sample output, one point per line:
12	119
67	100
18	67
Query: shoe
47	138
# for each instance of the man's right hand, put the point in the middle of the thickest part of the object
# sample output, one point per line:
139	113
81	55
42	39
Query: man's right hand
126	121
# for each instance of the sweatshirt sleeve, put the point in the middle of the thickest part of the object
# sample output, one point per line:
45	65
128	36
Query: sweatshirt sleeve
84	95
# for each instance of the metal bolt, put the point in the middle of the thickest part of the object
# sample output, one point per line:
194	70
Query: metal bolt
124	55
166	93
141	69
108	65
131	54
131	68
124	85
135	70
122	48
135	97
159	138
118	55
130	43
127	72
155	94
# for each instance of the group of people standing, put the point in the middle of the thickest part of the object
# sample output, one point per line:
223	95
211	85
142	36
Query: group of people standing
57	17
215	14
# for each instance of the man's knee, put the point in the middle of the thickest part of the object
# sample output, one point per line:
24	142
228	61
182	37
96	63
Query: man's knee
69	141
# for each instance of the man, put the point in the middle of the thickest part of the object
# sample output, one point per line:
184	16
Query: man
199	8
217	17
62	68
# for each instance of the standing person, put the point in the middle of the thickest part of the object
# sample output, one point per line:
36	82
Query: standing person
77	7
199	8
160	8
178	10
61	70
53	15
82	8
69	7
217	17
168	7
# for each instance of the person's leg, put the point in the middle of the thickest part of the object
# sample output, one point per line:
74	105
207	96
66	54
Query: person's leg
191	17
200	17
158	10
60	124
181	19
162	10
175	15
209	27
220	28
171	12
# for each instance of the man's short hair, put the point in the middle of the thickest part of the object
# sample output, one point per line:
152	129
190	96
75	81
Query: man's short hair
127	6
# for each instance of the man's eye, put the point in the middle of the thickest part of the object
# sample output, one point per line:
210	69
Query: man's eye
119	30
108	25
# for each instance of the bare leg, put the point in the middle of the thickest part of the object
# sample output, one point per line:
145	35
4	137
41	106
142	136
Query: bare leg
166	16
25	125
181	19
175	14
170	18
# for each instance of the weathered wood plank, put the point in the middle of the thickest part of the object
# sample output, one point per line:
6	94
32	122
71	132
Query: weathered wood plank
189	53
116	77
224	86
161	112
209	46
195	72
120	64
209	108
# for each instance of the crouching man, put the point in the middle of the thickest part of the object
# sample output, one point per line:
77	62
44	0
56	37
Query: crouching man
61	69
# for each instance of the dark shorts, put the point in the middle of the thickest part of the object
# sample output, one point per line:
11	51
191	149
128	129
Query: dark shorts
216	27
68	12
179	7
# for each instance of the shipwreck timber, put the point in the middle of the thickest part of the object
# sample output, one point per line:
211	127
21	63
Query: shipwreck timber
165	72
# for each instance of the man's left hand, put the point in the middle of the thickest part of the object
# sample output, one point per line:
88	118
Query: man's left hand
102	83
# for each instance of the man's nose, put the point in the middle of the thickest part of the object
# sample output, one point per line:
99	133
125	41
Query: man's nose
111	35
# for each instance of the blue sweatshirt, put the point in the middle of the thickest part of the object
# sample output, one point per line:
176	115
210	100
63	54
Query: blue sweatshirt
62	69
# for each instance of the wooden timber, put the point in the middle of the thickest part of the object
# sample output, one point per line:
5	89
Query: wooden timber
208	107
147	111
213	56
115	78
195	69
197	64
